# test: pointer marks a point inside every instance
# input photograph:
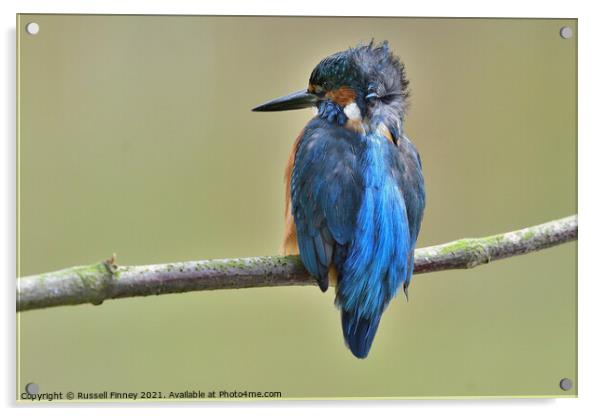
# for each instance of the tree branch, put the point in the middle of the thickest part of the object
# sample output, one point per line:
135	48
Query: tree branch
98	282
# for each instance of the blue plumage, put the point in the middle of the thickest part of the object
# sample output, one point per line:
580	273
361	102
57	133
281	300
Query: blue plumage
376	264
325	193
343	188
356	189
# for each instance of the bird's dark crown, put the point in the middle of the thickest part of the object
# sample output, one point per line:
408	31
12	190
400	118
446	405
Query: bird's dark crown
370	73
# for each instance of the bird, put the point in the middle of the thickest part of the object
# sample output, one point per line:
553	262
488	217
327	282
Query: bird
355	193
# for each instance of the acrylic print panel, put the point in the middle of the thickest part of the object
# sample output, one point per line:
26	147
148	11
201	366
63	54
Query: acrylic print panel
136	137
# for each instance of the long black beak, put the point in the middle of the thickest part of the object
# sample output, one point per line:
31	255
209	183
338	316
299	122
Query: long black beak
294	101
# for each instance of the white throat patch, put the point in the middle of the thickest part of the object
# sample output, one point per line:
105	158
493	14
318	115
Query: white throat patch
352	111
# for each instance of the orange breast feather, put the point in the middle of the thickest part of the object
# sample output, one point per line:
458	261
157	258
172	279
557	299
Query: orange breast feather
289	245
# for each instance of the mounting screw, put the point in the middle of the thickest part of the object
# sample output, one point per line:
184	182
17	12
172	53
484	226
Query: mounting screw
32	388
566	32
32	28
566	384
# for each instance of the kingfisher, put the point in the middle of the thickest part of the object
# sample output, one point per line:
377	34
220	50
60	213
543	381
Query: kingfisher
354	186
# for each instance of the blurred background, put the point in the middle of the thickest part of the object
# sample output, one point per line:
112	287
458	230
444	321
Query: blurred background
136	138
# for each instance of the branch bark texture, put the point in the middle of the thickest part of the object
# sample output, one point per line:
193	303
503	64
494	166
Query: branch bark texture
107	280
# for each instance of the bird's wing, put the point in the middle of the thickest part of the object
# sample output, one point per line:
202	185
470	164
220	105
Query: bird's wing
411	184
326	191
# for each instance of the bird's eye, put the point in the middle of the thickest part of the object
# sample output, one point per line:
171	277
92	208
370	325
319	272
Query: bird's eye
319	89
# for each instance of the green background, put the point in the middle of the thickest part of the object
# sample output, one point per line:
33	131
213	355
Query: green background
136	137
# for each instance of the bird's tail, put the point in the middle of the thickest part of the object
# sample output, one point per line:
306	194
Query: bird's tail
359	332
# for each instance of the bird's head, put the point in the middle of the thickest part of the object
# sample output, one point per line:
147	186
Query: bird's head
362	88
